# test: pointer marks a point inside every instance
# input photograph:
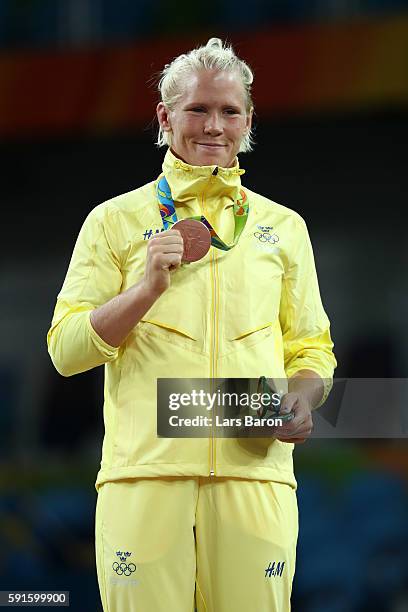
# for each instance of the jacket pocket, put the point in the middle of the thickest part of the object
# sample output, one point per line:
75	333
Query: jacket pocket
165	330
245	338
252	352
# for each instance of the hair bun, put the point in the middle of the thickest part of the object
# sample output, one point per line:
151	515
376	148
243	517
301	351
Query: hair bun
214	42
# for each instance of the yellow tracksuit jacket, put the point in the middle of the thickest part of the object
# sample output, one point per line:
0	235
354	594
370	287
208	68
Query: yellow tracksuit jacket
251	311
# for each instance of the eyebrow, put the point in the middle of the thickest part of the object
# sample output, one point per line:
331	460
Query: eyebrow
225	105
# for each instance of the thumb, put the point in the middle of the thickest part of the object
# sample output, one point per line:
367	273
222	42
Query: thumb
287	404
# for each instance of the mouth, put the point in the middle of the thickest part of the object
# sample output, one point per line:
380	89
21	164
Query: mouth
211	145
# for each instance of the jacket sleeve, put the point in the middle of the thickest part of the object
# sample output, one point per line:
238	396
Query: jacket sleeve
93	278
305	326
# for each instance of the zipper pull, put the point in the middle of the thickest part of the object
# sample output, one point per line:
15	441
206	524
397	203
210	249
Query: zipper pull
215	171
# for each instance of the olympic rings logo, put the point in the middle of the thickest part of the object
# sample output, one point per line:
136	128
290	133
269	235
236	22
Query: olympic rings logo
266	237
122	568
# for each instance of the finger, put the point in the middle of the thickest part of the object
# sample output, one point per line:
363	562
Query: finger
160	260
168	236
167	247
291	427
301	415
171	260
304	427
172	233
288	404
264	432
163	261
301	432
291	399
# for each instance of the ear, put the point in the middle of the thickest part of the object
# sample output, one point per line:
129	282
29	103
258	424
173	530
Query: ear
249	119
163	117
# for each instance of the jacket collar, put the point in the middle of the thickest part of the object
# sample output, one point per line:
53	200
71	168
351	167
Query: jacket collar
191	182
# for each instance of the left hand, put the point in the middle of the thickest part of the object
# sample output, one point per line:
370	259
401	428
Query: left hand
300	427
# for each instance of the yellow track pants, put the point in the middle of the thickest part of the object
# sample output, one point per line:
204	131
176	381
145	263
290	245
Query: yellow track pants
218	544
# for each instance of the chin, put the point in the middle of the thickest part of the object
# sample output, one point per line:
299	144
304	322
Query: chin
211	159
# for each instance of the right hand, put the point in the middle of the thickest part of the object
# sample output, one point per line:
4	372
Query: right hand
164	253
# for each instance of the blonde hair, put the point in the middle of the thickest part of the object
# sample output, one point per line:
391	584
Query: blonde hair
214	55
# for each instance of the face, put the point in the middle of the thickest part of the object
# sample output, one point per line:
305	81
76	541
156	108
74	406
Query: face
210	119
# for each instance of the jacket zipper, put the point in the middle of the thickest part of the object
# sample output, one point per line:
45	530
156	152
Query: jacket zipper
213	363
213	352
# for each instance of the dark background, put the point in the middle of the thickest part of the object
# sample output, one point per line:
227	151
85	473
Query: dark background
343	168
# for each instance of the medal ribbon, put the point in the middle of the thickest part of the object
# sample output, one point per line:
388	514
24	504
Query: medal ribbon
169	216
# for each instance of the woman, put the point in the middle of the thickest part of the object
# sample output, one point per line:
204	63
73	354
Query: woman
210	520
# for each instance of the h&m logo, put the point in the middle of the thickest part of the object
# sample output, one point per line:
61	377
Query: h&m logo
274	569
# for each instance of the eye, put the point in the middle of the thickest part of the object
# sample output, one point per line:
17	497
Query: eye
197	109
231	111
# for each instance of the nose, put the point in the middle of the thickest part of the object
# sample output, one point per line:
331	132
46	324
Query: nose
213	125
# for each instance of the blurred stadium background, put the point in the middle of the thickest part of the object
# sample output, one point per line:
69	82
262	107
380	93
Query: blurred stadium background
77	126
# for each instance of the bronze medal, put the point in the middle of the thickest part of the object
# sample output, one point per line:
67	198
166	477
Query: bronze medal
196	239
